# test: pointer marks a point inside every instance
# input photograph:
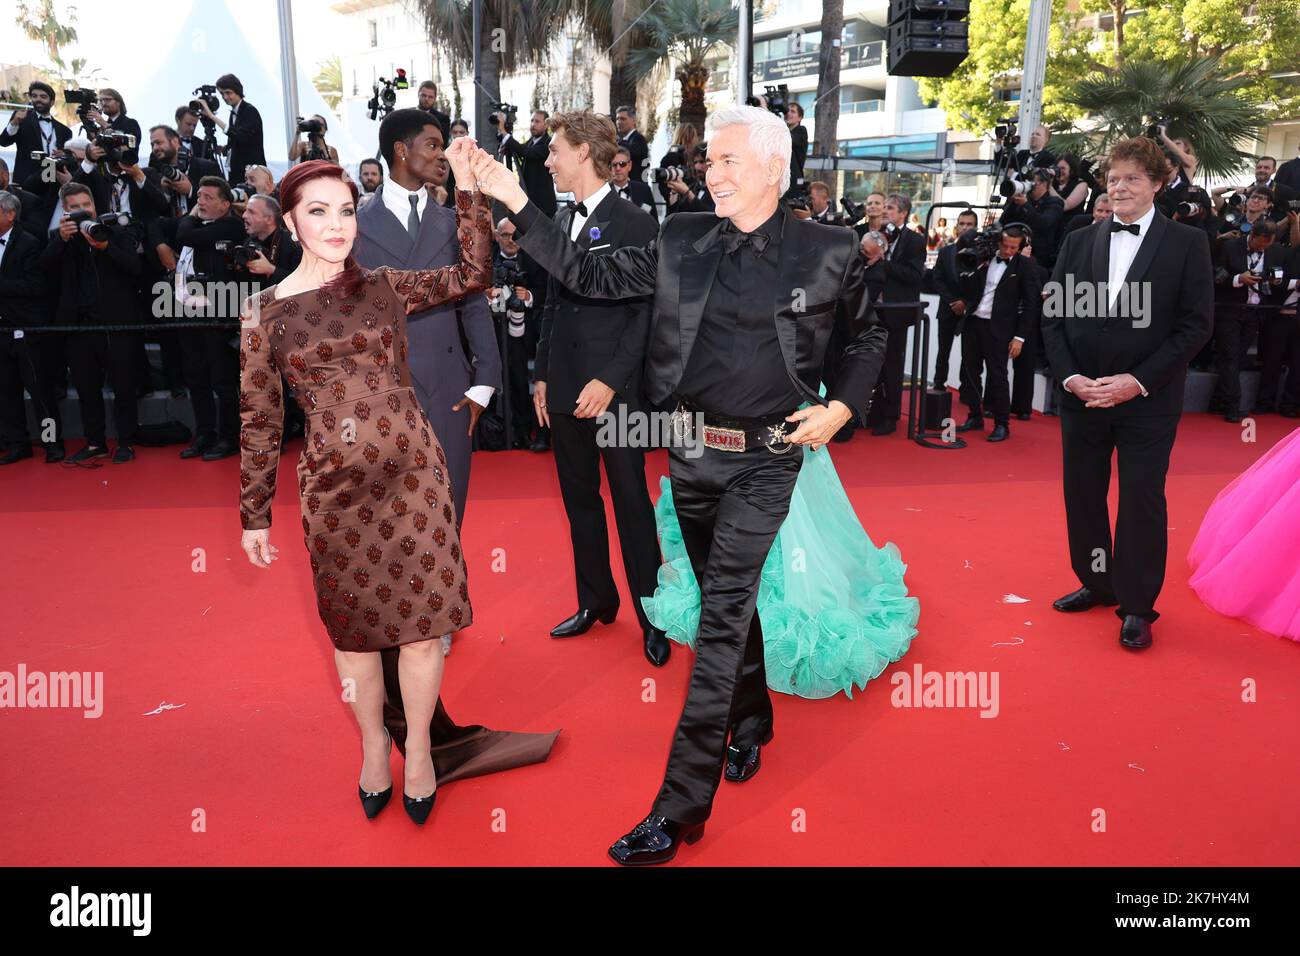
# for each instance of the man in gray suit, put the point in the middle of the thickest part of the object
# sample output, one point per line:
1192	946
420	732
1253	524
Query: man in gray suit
405	228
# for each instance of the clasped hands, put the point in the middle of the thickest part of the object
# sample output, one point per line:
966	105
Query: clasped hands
1107	391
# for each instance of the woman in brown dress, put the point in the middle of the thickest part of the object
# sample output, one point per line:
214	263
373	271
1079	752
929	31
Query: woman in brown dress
377	516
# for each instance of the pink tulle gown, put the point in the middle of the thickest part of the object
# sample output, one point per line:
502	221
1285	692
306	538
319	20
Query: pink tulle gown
1246	557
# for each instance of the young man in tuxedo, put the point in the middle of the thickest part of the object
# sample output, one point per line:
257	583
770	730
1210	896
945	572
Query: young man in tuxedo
904	265
1255	264
111	115
588	362
633	190
630	138
244	130
952	303
1123	372
33	131
1001	299
427	99
187	121
530	159
744	302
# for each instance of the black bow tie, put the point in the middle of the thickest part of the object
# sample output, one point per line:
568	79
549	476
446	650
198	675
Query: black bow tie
733	238
1132	227
1005	262
578	207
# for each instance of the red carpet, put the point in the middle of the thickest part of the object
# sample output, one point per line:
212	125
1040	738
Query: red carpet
1159	746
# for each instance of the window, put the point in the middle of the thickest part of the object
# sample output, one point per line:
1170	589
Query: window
373	27
354	82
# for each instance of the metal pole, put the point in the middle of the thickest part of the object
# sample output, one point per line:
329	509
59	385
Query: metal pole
745	51
1031	82
288	75
479	117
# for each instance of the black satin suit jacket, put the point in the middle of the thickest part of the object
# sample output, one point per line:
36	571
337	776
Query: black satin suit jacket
820	286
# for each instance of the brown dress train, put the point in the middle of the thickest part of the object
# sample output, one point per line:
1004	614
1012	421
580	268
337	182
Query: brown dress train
378	519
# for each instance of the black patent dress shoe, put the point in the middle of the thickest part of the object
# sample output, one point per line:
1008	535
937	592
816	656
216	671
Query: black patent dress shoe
55	454
1083	599
655	839
1135	632
372	801
202	442
89	452
16	453
999	433
580	623
657	647
971	425
742	763
1024	416
222	449
884	428
419	808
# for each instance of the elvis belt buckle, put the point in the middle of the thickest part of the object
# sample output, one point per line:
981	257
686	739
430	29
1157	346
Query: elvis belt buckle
732	439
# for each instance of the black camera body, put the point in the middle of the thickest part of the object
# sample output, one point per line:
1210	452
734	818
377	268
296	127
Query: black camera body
665	174
803	201
101	228
62	161
243	192
506	275
384	98
83	98
208	96
506	110
777	97
981	250
312	127
853	212
239	254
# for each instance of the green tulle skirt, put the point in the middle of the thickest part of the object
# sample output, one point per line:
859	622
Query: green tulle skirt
834	609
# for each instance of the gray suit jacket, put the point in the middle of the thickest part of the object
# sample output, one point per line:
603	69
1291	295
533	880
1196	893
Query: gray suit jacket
440	368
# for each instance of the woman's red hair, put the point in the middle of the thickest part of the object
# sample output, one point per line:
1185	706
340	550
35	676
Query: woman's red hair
352	278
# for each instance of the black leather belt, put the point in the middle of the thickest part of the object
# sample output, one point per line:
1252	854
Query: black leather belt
733	434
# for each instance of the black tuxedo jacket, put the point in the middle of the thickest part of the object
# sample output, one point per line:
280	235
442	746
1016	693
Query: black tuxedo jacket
679	266
1017	300
904	274
639	150
22	284
34	219
641	196
584	338
1174	259
947	281
1235	259
199	147
532	157
148	201
27	141
1288	173
244	139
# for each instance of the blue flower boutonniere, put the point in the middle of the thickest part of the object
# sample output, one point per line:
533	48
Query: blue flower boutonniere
594	232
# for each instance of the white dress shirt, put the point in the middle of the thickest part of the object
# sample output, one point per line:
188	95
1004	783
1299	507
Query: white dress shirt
5	237
1254	263
985	309
591	202
1123	250
397	198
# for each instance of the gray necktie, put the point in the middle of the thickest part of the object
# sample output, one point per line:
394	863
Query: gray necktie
413	220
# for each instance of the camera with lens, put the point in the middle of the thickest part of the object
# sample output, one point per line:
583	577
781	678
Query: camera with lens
803	201
243	192
665	174
312	127
506	275
62	162
853	212
384	98
173	172
100	228
239	254
206	95
83	98
980	250
112	142
777	97
507	111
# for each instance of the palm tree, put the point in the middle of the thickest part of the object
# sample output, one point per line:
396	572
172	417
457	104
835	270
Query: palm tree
515	36
615	26
685	31
1196	100
41	23
329	80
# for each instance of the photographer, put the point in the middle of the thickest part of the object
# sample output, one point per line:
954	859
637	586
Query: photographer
95	277
689	193
243	132
819	206
798	146
952	306
258	179
279	254
531	158
211	363
119	186
34	131
633	190
315	147
904	269
678	155
178	171
630	138
1240	218
514	277
370	175
426	99
1198	210
1279	338
23	303
1265	168
187	121
111	115
1037	156
1042	211
1256	267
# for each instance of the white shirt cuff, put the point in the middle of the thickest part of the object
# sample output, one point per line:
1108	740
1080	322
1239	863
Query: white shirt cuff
1017	338
87	166
480	394
12	128
1236	281
1065	382
1145	393
528	303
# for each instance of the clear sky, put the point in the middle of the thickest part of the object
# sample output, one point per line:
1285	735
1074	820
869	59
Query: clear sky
105	29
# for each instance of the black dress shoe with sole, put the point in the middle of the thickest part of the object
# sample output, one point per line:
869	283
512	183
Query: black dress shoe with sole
15	454
123	454
55	454
971	425
654	840
581	622
89	452
1024	416
743	762
222	449
1083	599
202	442
999	433
1135	632
657	647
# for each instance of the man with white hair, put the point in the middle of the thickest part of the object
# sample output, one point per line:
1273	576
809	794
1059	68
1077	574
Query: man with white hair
745	301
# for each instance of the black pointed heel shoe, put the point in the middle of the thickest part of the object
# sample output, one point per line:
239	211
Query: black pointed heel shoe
372	801
419	808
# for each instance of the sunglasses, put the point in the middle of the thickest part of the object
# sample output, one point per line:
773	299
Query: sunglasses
620	165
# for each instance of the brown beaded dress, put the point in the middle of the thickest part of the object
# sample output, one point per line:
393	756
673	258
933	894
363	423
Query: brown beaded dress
378	519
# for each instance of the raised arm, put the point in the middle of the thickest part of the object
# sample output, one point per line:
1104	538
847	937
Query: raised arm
419	289
623	274
261	421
